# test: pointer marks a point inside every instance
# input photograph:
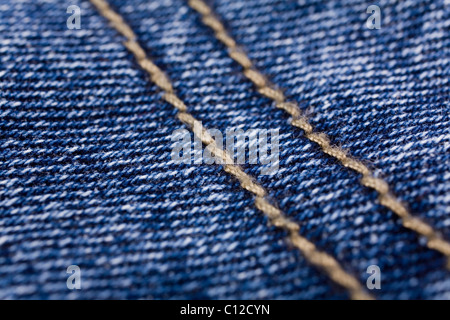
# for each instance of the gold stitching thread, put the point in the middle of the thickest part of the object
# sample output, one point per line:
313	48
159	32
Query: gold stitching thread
385	197
276	217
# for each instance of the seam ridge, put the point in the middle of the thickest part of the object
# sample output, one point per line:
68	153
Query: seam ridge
385	197
317	258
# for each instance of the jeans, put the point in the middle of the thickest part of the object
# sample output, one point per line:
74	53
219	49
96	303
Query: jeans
87	178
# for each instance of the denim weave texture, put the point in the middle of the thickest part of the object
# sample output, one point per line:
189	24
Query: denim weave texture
87	179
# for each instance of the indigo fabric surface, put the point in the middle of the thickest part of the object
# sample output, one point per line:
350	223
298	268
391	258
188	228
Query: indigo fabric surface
87	179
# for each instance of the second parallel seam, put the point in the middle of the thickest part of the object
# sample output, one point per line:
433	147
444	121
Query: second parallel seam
385	197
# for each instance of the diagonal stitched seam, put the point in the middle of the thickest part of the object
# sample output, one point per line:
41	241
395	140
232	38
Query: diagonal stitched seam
317	258
385	197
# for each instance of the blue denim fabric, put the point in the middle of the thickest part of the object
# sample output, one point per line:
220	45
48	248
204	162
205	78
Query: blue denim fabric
86	176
